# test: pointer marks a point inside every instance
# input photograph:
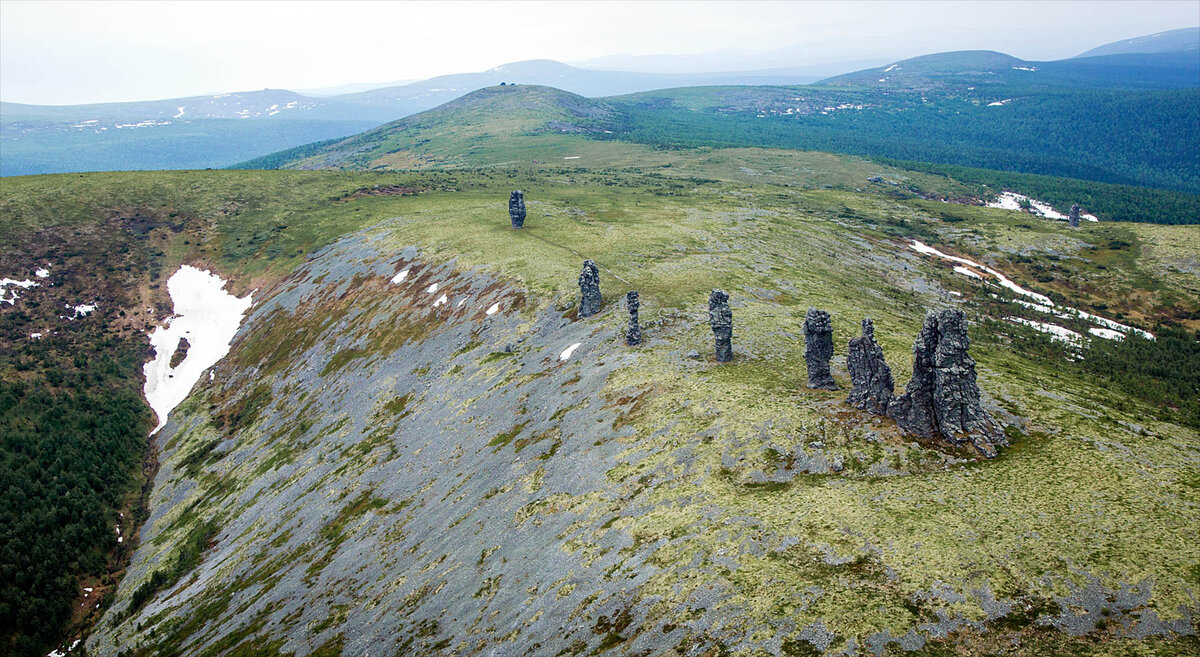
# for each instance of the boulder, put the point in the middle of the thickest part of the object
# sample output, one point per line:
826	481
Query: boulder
818	348
720	318
633	334
516	208
589	289
873	386
942	398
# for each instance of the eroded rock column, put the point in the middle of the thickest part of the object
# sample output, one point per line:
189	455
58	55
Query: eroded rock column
633	333
873	386
818	349
942	398
1073	217
720	318
516	208
589	289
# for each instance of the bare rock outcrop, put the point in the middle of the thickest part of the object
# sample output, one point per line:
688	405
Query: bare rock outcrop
1073	217
873	387
720	318
589	289
818	348
633	334
516	208
942	398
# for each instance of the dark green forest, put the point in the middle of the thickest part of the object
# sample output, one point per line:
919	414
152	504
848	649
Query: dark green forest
1144	138
1107	201
72	438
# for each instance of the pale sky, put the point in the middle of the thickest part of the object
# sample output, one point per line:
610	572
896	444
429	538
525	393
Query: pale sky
79	52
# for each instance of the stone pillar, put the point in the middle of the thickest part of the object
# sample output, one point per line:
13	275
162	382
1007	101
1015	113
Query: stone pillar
516	208
869	372
633	334
589	288
1073	218
943	398
818	348
720	317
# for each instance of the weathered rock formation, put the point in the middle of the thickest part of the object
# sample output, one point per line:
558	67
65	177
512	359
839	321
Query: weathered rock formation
181	352
516	208
818	348
633	334
589	289
1073	218
720	317
872	378
942	398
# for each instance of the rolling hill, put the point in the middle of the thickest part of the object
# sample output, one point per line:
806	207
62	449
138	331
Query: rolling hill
203	131
1182	40
376	467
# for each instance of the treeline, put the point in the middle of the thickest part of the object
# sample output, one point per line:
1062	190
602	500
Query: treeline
1164	372
1145	138
278	159
1107	201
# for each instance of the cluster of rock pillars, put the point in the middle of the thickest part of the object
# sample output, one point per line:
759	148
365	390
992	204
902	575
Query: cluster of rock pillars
941	400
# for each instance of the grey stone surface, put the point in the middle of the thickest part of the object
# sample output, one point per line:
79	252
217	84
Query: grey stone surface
818	348
1073	217
633	333
873	387
589	289
942	398
720	318
516	208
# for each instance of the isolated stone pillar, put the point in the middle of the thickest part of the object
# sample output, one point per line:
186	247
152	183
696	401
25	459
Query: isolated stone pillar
818	348
869	372
589	288
633	334
516	208
720	317
1073	218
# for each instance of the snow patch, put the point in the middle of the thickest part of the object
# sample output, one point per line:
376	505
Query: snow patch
1014	201
432	289
494	309
1107	334
891	68
571	157
441	300
967	272
5	282
82	310
568	351
398	278
1056	332
998	103
208	317
42	272
180	112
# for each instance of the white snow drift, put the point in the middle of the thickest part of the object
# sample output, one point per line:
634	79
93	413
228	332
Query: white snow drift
208	317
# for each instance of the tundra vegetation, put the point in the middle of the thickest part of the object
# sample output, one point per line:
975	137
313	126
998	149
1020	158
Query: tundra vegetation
361	455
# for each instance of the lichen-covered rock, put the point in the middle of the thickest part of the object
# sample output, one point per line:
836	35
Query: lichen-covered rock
818	348
516	208
872	378
720	317
942	398
589	289
633	334
1073	218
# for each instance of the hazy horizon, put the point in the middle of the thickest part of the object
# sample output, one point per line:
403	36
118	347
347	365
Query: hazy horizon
74	53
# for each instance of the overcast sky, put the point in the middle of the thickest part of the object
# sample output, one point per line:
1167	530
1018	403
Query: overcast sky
77	52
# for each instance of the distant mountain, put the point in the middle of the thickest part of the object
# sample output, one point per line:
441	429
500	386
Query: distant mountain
469	129
974	68
1184	40
50	139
